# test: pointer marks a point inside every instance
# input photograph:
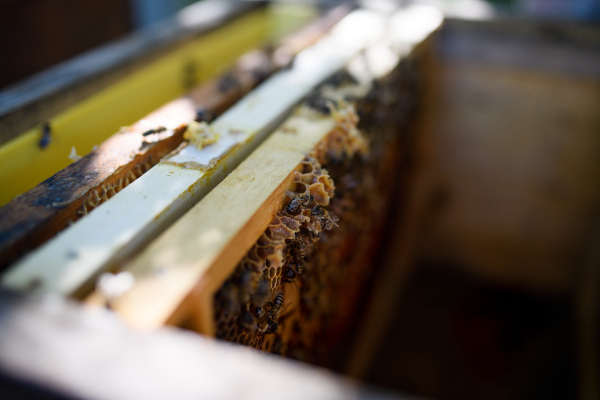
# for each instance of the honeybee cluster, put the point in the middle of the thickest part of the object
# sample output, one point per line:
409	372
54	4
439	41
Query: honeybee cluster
305	299
250	303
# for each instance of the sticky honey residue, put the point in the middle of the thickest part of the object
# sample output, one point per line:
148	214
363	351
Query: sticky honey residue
200	134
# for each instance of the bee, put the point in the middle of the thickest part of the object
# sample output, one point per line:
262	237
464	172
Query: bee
341	78
307	199
247	322
319	103
203	115
299	266
155	130
297	201
46	136
268	327
271	327
277	307
289	275
228	82
278	302
262	293
299	248
294	206
324	219
259	312
314	236
263	327
317	211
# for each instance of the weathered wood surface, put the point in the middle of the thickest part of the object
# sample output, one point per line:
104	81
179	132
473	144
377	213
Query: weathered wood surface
192	259
201	250
39	214
117	229
55	343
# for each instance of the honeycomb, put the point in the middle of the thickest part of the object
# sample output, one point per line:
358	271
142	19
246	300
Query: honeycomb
99	195
246	308
300	289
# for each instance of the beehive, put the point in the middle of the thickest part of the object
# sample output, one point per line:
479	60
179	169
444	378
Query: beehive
297	289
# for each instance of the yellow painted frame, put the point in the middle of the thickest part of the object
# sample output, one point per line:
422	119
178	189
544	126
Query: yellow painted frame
23	164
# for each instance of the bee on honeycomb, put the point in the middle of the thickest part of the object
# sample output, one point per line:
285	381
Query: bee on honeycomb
260	319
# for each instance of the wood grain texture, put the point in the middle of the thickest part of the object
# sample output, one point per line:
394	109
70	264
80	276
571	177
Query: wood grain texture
40	213
118	229
199	252
34	217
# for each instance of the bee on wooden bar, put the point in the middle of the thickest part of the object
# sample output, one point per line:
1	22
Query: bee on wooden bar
247	322
228	82
203	115
341	78
319	103
46	136
155	130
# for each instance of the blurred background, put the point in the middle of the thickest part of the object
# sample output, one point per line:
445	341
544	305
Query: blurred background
40	33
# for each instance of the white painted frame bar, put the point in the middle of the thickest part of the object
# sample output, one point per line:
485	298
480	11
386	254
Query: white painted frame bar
177	275
118	228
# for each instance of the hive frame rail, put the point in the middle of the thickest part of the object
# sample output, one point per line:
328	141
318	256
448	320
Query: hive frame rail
69	263
188	262
37	215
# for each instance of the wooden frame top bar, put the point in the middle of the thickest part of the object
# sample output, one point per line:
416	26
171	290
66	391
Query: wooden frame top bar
118	228
34	217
